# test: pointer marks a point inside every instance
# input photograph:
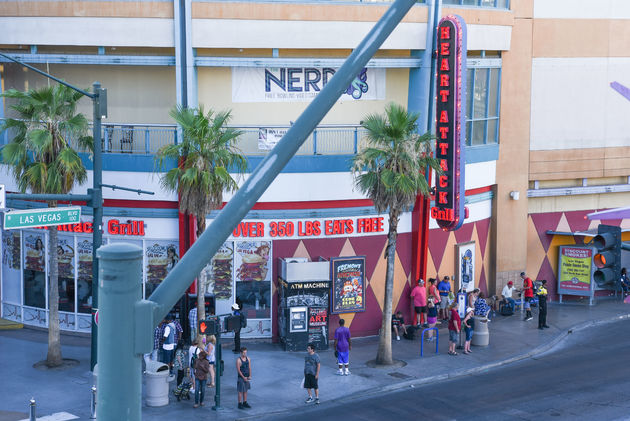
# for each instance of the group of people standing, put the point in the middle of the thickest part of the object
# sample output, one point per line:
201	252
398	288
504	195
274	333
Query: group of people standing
528	291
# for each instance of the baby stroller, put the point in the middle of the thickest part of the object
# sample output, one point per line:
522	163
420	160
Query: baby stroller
183	390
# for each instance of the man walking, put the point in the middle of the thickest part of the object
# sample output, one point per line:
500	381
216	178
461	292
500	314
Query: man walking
311	373
542	305
343	345
419	295
444	287
528	294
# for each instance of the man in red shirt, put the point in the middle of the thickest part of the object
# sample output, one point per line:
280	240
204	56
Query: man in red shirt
528	294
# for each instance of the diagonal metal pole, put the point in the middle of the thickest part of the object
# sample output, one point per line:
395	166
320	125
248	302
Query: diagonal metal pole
182	275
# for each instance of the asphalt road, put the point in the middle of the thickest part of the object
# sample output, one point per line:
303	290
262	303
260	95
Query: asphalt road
587	377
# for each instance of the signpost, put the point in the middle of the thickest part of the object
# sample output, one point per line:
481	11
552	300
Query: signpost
41	217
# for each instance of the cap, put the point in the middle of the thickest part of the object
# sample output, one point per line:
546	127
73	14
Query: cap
421	281
446	278
510	283
469	309
235	307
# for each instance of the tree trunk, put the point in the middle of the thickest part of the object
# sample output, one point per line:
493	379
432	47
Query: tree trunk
201	285
384	354
53	359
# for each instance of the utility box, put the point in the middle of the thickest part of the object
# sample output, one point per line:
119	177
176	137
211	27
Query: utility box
304	304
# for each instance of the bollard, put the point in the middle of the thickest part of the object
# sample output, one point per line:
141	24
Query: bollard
437	339
119	381
93	404
32	410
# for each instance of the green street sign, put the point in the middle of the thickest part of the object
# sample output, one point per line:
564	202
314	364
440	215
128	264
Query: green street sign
41	217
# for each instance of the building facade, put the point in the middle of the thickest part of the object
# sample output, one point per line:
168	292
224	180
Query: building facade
530	167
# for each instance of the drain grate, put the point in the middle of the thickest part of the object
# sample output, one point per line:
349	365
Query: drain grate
399	375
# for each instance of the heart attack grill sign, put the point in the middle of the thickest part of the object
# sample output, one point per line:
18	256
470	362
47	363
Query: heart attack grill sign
448	210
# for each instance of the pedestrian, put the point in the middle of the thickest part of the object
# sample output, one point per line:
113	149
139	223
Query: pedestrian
398	324
542	305
419	296
342	345
454	326
311	373
158	332
444	288
625	282
193	353
210	350
169	340
202	367
180	362
236	310
431	317
433	292
244	371
528	294
469	328
507	295
192	322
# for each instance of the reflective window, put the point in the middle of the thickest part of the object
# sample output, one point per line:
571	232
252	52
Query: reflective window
34	270
482	103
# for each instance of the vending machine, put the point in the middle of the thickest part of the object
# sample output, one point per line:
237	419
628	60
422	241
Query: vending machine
304	301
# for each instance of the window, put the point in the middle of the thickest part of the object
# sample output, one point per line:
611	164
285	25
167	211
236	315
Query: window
482	103
499	4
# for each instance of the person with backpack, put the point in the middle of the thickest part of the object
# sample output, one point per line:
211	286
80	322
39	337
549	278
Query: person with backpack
193	353
202	367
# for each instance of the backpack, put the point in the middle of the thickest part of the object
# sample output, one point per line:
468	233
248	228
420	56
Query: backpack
243	321
193	359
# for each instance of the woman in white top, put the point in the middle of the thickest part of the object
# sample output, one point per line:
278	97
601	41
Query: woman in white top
210	349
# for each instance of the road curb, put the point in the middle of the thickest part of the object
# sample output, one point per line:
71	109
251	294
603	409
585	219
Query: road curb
458	373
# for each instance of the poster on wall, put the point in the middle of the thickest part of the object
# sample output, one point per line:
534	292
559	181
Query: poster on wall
253	278
465	261
217	275
65	257
318	327
161	258
11	249
348	284
575	266
35	252
301	84
268	138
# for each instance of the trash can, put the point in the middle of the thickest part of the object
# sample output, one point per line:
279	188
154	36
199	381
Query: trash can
156	381
482	334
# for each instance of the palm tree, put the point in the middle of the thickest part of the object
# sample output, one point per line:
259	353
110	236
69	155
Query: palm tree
391	172
43	161
205	156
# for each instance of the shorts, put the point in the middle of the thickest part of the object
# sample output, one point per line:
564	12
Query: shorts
431	320
452	336
420	309
527	304
167	355
444	302
310	382
241	385
342	357
469	334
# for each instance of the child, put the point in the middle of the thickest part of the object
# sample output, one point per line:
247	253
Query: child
398	323
311	373
431	317
454	326
180	364
469	328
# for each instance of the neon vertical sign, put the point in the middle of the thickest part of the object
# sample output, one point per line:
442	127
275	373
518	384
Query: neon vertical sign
448	210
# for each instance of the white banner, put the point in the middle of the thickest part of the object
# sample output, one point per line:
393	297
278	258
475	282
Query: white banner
301	84
267	138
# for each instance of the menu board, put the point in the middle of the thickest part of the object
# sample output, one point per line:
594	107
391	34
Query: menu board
217	275
11	249
348	284
65	257
35	252
252	261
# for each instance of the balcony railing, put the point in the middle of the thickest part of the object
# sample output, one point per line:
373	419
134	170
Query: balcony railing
255	141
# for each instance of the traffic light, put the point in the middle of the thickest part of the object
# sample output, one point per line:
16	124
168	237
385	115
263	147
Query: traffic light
208	326
608	256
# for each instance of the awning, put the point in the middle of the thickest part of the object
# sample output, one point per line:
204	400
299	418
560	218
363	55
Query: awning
617	213
585	233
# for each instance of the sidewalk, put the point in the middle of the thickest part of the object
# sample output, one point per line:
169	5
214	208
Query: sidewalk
277	374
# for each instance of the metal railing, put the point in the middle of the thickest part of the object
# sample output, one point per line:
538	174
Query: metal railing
147	139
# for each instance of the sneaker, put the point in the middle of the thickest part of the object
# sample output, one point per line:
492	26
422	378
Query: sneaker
197	405
546	327
527	319
397	338
340	372
316	401
347	372
240	406
246	405
309	399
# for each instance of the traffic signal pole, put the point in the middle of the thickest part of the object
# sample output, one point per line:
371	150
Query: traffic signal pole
118	401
